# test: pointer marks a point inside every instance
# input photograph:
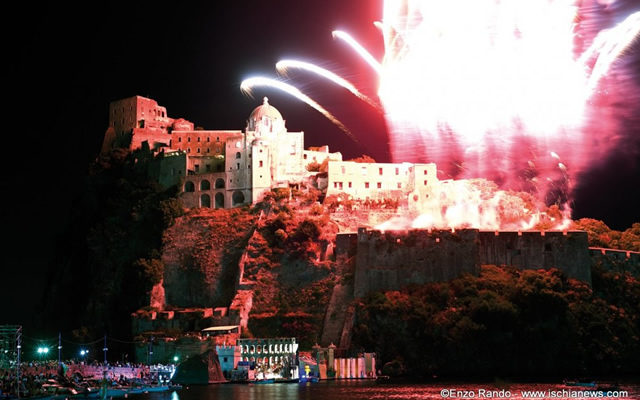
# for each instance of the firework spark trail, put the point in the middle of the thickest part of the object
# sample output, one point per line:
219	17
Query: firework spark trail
615	42
359	49
247	86
283	65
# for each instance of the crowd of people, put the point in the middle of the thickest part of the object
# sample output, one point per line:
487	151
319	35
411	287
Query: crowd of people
34	374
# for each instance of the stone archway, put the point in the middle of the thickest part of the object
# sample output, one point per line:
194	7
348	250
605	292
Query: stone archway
205	201
219	183
189	187
219	200
237	198
205	185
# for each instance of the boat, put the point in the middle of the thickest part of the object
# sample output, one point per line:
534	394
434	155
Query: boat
263	381
313	379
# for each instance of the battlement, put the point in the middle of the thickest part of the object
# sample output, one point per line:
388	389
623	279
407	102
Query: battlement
390	260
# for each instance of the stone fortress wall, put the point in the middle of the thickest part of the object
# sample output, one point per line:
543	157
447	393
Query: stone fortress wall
394	259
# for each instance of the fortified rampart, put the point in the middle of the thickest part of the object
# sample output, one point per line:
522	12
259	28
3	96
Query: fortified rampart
567	251
394	259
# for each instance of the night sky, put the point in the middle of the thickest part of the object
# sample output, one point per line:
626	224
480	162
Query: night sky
66	63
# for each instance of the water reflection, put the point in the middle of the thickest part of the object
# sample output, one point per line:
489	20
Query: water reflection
348	390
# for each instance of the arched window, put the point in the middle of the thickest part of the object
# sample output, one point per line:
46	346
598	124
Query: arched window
219	183
238	155
205	185
237	198
219	200
189	187
205	201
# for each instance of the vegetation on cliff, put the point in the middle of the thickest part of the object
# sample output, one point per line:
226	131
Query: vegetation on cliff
506	322
109	258
600	235
288	267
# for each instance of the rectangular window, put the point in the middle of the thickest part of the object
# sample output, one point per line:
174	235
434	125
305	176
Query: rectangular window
397	171
198	138
197	167
189	139
208	139
198	149
238	164
335	185
208	167
340	185
364	171
425	182
218	139
260	163
366	185
349	184
380	171
425	171
179	139
399	185
305	156
379	185
208	149
342	169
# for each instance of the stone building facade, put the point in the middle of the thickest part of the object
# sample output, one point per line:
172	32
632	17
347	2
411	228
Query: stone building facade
377	181
216	168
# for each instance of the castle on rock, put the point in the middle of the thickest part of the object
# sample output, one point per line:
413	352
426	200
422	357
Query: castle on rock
231	168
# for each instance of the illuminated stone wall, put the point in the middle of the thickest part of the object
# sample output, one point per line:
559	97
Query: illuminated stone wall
567	251
395	259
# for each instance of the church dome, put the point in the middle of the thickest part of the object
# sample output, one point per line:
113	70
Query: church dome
265	110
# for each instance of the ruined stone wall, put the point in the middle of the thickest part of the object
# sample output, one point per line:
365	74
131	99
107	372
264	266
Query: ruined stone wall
392	260
567	251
